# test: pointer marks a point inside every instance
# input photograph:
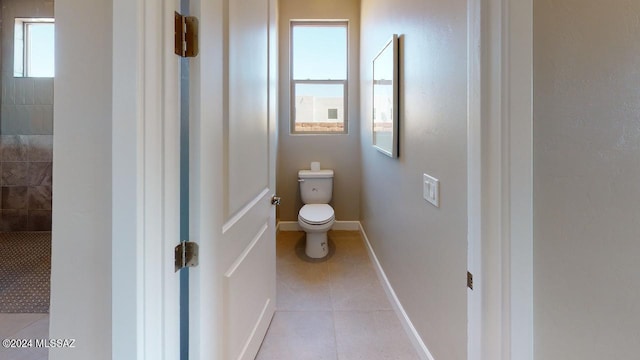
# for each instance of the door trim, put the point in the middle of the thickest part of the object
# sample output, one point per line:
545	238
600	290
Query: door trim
474	176
500	173
501	127
518	171
146	197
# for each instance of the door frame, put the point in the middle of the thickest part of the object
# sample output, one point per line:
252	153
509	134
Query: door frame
500	179
500	169
146	180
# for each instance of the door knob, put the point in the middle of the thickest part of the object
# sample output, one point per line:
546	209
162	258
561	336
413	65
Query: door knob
275	201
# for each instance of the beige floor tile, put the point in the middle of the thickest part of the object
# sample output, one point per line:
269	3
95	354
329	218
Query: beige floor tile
344	235
25	326
347	286
24	354
37	330
371	335
302	286
350	248
285	245
356	287
11	324
301	335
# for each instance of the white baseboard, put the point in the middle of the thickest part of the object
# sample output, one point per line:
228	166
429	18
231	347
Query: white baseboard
338	225
411	331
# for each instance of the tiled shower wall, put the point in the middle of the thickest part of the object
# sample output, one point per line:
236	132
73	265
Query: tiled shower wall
25	182
26	128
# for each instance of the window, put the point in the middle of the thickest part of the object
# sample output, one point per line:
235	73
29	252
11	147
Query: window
319	77
34	47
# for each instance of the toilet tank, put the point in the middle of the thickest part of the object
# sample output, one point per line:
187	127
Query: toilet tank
316	187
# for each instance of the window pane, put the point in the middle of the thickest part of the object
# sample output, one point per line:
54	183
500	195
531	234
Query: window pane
41	50
319	107
18	49
34	49
319	52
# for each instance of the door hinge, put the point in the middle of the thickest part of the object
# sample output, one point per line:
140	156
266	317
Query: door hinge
186	255
470	280
186	35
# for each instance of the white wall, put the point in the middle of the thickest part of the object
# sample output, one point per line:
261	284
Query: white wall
339	152
422	249
81	234
586	173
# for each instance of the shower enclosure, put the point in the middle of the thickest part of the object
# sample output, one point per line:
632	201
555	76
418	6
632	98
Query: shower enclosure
26	115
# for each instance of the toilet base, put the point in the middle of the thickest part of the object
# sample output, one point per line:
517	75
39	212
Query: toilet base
317	245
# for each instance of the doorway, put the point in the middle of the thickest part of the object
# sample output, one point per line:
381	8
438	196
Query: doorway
26	163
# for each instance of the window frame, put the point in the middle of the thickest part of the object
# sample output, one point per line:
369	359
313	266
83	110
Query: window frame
293	82
21	25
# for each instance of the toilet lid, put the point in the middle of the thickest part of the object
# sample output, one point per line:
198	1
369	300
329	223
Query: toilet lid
316	214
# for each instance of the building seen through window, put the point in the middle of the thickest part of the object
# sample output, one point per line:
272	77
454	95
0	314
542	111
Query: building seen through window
319	77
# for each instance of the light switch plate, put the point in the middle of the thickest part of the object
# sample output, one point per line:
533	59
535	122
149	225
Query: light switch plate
431	189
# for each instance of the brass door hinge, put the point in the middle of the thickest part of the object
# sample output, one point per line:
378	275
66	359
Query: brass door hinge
186	35
470	280
186	255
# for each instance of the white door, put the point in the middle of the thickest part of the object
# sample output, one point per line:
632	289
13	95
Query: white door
232	164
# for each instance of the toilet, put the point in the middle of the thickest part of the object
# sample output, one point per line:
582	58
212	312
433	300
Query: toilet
316	216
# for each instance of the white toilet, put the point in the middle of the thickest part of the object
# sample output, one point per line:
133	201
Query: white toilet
316	217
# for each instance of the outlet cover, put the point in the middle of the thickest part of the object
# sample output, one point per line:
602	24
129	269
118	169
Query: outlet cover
431	189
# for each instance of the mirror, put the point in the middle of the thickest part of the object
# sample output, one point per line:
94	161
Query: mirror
385	99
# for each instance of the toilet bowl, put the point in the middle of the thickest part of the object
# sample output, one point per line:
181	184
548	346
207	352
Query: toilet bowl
316	217
316	220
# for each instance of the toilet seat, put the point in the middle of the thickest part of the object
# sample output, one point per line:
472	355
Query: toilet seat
316	214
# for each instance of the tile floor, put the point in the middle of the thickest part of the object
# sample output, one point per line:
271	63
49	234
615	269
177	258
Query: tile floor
335	309
24	326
